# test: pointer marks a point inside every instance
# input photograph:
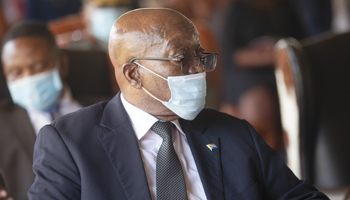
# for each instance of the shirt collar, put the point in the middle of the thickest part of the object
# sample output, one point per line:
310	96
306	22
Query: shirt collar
67	103
142	121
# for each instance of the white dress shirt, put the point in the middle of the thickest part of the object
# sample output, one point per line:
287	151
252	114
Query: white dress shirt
66	105
149	144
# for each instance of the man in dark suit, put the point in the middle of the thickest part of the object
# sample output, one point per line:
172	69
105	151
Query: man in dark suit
17	140
116	150
35	70
29	52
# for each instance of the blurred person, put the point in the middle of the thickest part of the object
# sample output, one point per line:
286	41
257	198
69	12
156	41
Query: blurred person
99	16
251	30
16	147
34	71
193	9
154	140
89	28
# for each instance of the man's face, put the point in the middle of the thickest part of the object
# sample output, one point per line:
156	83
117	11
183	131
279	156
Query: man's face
179	44
26	56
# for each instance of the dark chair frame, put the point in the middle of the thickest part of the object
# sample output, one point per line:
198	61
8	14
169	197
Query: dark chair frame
321	71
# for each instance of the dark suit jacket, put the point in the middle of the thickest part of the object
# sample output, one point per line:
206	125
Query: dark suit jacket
94	154
17	138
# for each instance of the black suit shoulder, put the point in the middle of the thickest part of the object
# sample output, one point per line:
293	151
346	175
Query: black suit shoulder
247	163
88	113
222	124
77	128
83	118
209	115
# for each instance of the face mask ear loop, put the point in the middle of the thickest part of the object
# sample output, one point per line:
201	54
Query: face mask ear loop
151	71
152	95
154	74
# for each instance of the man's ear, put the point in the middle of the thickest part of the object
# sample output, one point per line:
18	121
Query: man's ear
131	73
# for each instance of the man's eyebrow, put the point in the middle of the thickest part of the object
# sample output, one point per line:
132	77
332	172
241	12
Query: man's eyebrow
173	41
175	47
176	42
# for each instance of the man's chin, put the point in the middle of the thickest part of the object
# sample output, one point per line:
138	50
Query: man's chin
167	117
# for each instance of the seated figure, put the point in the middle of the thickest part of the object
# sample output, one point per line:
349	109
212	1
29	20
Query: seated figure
155	139
33	70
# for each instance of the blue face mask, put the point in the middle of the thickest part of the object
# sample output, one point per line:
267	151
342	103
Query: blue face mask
102	19
187	94
37	92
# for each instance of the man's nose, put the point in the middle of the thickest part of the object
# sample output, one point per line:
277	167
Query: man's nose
200	68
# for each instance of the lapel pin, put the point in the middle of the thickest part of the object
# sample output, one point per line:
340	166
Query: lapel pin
211	146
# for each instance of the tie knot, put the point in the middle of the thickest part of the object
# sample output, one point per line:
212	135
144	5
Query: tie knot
164	129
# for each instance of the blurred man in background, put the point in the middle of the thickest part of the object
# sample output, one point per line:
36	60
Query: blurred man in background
89	28
34	70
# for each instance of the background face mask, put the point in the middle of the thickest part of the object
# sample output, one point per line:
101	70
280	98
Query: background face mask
187	94
37	92
102	19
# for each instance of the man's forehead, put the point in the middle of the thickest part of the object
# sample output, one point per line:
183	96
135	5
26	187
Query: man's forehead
184	40
23	44
145	30
155	20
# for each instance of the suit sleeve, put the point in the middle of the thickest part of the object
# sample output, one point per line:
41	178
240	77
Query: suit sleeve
278	180
57	176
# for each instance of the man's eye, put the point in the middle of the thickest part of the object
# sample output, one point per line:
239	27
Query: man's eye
39	67
176	62
14	74
182	55
200	53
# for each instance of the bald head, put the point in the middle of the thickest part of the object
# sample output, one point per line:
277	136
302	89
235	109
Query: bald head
161	33
138	31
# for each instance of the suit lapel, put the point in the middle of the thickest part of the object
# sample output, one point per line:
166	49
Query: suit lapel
121	147
207	161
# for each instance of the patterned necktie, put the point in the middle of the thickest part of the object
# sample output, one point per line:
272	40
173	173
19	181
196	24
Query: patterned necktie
170	181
